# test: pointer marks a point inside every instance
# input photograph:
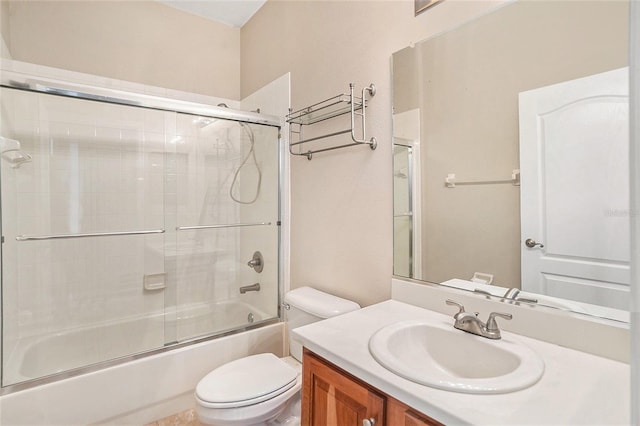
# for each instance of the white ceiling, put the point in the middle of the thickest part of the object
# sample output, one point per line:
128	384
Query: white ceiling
231	12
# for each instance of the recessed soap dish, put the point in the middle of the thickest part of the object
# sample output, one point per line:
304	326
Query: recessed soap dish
153	282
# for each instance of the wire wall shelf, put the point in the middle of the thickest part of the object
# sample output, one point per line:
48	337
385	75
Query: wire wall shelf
332	107
329	108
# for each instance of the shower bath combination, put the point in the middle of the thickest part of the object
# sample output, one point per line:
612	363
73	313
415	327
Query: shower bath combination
99	193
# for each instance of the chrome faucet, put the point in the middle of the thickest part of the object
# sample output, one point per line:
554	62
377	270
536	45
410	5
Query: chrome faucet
512	294
252	287
469	322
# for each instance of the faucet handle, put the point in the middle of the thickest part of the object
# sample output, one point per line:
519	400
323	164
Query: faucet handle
526	300
491	322
454	303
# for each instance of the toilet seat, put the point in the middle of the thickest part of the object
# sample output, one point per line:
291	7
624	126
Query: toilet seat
259	413
246	381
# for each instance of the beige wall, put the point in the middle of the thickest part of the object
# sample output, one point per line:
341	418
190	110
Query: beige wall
341	201
471	78
4	21
140	41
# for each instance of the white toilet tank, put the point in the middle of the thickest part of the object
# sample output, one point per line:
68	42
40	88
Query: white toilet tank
305	305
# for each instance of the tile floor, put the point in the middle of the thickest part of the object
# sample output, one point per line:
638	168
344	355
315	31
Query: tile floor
186	418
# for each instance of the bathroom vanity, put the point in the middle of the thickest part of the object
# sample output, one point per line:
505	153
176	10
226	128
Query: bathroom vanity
342	378
333	396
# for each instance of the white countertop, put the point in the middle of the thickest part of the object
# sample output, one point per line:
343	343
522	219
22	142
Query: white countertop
576	388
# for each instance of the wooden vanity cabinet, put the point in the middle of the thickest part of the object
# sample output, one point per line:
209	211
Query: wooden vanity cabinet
402	415
333	397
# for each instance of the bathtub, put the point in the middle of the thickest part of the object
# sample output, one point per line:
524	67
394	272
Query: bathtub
136	392
40	356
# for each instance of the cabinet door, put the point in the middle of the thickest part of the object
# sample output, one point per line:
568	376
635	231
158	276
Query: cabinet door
399	414
331	397
414	419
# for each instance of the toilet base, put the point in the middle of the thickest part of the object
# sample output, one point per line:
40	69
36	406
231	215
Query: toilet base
287	414
290	416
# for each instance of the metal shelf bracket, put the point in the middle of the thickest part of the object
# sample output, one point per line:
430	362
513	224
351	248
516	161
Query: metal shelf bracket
327	109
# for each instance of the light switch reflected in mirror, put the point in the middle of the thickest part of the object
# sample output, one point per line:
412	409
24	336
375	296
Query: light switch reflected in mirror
514	126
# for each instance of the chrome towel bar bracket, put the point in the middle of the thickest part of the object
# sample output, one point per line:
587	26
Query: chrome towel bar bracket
327	109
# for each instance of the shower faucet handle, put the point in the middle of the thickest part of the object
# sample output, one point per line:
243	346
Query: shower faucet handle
256	262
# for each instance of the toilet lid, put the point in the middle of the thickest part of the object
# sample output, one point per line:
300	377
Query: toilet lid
246	381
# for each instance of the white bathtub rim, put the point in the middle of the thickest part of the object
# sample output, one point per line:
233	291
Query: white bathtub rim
25	383
141	387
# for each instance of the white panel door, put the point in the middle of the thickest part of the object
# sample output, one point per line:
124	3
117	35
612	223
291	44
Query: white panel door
574	142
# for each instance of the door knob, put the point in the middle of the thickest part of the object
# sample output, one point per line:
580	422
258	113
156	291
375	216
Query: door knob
531	243
369	422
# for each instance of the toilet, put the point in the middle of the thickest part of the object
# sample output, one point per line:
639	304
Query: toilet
264	389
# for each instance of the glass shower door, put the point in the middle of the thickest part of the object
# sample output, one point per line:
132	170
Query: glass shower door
226	175
127	229
402	212
82	225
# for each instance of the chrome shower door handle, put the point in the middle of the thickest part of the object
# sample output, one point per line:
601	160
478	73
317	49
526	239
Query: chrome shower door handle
531	243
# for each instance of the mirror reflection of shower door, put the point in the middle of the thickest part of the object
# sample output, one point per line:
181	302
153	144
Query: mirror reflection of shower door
227	209
402	212
407	246
574	139
82	227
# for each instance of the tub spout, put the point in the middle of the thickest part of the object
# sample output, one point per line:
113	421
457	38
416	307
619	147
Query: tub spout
252	287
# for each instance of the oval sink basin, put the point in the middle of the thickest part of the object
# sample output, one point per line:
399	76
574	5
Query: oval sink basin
442	357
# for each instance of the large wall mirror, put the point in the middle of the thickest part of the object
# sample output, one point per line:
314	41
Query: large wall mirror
511	137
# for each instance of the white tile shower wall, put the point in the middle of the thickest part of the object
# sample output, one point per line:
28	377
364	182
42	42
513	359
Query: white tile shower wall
211	263
90	173
274	99
169	209
205	259
264	209
96	167
10	336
